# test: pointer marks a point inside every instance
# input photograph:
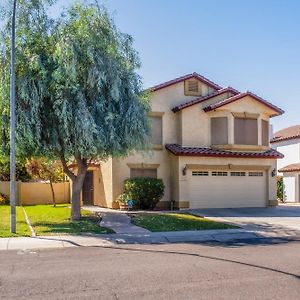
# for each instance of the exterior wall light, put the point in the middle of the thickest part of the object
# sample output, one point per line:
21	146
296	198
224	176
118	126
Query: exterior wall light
273	172
184	170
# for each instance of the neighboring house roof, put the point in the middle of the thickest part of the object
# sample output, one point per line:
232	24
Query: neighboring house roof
204	98
290	168
185	77
240	96
196	151
289	133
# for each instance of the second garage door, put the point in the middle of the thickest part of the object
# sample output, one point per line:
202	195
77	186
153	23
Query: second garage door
226	189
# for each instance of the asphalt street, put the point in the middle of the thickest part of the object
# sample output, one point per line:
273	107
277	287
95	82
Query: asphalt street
248	270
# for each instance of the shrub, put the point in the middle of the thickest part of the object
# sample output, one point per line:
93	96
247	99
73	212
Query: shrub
4	199
122	199
280	188
144	191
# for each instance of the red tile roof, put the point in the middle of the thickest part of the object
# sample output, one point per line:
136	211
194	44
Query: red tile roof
289	133
240	96
204	98
290	168
196	151
185	77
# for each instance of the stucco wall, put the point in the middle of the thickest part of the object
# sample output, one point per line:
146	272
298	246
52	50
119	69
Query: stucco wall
291	151
29	193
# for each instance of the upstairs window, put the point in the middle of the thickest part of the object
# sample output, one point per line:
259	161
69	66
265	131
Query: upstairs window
192	87
245	131
156	130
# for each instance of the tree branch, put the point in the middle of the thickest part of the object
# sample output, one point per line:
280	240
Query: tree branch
70	174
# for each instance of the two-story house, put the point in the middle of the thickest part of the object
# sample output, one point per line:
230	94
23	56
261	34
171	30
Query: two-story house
210	147
287	141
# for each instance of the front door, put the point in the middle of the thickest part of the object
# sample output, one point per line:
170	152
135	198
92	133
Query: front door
88	189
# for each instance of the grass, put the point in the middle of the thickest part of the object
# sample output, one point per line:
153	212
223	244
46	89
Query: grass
49	220
22	228
176	222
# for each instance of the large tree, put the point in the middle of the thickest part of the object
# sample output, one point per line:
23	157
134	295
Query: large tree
78	94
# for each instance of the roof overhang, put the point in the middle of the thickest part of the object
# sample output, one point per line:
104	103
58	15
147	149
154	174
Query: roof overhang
240	96
205	98
179	150
183	78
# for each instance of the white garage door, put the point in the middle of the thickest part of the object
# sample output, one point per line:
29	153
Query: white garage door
225	189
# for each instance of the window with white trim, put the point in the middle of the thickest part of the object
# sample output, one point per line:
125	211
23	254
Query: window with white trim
218	173
256	174
199	173
238	174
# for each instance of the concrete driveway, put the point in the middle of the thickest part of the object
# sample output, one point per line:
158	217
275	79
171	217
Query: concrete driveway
281	218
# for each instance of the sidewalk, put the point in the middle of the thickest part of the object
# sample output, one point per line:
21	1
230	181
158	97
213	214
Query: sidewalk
127	233
109	240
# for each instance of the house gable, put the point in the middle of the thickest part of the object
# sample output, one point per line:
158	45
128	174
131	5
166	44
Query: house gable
246	102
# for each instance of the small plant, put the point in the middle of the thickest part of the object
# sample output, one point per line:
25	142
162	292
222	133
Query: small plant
4	199
122	199
144	191
280	189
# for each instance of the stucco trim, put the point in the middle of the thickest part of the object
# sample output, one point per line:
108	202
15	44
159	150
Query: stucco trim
156	113
143	166
241	147
245	115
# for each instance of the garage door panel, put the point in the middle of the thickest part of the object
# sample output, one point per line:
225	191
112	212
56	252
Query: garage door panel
227	191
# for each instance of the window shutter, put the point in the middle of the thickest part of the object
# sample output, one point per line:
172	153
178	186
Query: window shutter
245	131
265	133
156	127
219	131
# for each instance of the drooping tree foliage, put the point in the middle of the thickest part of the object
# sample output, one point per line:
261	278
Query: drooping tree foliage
78	94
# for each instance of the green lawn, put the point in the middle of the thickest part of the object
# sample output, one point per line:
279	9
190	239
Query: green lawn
175	222
49	220
22	228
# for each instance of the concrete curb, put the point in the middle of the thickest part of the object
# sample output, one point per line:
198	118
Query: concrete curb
109	240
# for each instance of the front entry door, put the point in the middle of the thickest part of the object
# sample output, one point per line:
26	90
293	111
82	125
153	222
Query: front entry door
88	189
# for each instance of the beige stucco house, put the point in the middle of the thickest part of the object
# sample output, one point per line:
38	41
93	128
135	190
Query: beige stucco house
210	147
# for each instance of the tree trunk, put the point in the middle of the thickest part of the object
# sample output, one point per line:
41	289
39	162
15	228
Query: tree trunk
53	194
77	183
76	192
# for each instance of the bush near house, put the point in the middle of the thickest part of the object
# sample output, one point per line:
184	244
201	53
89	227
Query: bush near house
280	188
144	191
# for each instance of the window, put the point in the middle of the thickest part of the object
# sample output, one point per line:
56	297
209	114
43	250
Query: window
245	131
199	173
265	133
192	87
214	173
237	173
256	174
219	131
137	172
156	130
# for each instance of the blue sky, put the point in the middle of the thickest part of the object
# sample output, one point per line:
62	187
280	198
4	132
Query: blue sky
249	45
